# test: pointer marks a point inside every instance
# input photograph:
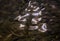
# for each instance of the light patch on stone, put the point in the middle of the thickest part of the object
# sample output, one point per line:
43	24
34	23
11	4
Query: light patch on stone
35	14
42	9
33	27
40	13
53	6
24	20
36	9
29	10
26	9
34	2
39	19
29	3
51	19
43	28
31	6
18	18
34	21
26	15
34	6
42	4
21	25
